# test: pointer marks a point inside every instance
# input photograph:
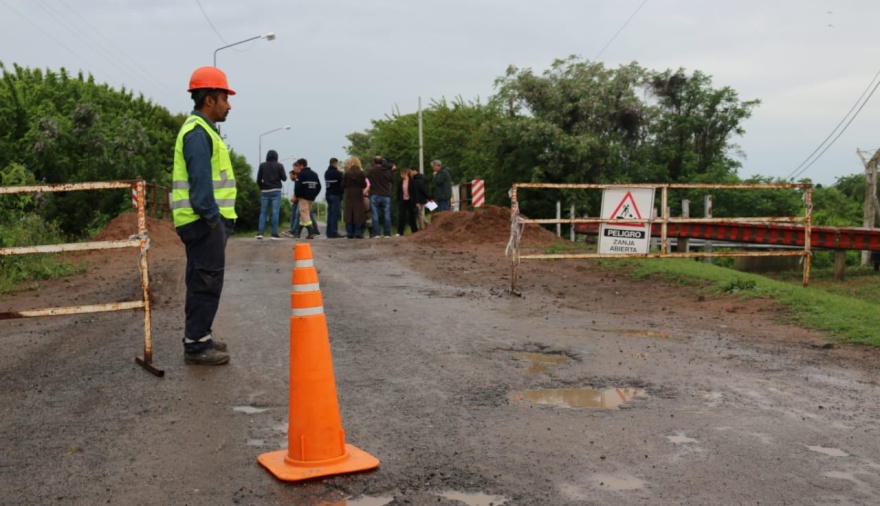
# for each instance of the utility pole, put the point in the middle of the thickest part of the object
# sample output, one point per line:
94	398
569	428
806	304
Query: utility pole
872	207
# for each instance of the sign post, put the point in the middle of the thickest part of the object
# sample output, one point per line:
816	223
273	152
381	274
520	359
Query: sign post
625	237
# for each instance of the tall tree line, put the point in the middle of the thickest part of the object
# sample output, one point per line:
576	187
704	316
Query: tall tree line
59	128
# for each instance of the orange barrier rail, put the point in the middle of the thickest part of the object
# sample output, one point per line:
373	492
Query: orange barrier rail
139	241
664	221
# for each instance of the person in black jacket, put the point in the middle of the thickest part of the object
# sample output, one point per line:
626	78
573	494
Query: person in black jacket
406	203
333	193
269	178
306	190
419	187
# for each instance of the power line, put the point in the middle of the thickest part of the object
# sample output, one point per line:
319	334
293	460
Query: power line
800	169
204	13
48	34
100	44
620	30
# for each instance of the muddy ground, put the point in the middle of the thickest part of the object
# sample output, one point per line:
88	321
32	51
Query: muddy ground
590	389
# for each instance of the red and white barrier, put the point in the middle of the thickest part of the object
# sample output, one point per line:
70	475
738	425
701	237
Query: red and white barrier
478	193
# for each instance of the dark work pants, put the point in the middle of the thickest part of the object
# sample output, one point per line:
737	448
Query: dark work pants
205	262
406	215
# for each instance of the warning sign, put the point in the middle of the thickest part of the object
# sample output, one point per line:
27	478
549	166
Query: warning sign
625	236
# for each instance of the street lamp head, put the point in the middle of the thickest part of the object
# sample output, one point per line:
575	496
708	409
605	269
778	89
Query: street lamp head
287	127
267	36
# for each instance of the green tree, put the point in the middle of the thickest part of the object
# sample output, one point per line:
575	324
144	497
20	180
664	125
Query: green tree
67	129
691	135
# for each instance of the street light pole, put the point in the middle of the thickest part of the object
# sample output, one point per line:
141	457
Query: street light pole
260	158
267	36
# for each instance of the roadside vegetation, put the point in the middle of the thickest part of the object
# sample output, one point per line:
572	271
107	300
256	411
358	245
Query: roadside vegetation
578	121
848	310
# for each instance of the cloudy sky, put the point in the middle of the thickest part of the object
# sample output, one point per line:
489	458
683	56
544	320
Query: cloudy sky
337	64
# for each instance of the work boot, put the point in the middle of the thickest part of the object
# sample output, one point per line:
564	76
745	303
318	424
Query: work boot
298	232
219	345
310	235
208	357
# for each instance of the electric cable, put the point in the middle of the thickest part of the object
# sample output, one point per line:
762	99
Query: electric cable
804	165
620	30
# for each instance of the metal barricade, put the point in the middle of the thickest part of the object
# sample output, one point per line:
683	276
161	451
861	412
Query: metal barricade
517	223
140	240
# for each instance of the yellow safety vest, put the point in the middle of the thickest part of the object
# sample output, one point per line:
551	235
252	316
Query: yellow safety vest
221	172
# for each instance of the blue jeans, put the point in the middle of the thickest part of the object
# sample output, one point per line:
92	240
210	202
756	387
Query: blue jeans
269	199
334	212
353	230
442	205
381	203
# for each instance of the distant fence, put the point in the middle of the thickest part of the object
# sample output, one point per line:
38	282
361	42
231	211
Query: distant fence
138	240
157	200
517	223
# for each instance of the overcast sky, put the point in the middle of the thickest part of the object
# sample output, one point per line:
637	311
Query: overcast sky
337	64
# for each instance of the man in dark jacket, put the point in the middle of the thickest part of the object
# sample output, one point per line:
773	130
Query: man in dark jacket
420	193
306	190
333	194
442	185
269	178
381	178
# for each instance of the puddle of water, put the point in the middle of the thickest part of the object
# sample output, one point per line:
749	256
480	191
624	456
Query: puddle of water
680	440
840	475
581	398
250	410
255	442
647	333
540	362
618	482
370	501
832	452
476	499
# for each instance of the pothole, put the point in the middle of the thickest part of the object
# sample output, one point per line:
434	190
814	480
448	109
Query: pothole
653	334
250	410
540	362
474	499
612	398
831	452
369	501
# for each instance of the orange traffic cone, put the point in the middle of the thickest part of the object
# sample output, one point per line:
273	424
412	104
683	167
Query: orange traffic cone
315	438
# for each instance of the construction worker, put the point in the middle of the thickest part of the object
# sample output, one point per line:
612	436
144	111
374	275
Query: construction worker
203	207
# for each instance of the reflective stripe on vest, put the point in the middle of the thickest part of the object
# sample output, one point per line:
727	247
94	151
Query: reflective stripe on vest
221	173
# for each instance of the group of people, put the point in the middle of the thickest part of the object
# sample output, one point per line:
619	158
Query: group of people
203	204
362	198
307	186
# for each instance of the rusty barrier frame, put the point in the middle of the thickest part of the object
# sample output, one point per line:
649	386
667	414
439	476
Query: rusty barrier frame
140	240
517	223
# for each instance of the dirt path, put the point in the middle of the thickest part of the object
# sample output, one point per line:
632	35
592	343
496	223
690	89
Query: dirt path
464	393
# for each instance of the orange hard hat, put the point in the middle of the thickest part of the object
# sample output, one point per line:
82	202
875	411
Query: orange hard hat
210	78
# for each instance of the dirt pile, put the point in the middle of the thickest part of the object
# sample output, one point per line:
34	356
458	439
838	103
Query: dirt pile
163	238
482	226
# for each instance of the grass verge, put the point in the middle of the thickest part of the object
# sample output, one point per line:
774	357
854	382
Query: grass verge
849	314
849	310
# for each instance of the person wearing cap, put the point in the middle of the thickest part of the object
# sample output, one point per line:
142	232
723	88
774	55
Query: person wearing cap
203	208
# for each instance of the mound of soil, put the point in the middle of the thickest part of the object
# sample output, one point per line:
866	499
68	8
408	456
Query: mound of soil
163	238
482	226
